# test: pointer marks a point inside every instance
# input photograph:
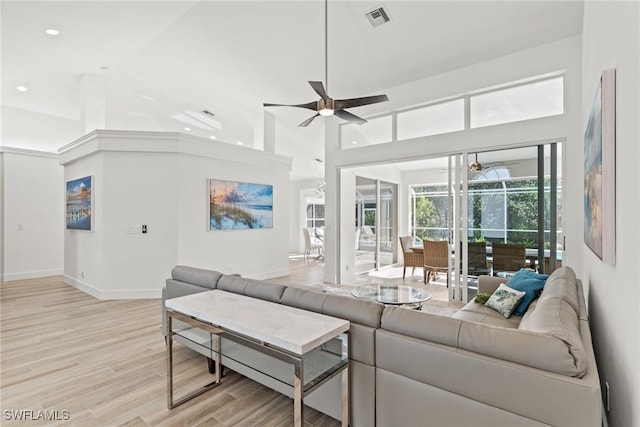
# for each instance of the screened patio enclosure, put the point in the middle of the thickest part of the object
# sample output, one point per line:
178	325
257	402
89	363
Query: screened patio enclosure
514	196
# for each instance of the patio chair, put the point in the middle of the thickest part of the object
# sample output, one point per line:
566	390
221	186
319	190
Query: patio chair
436	258
411	258
508	257
477	259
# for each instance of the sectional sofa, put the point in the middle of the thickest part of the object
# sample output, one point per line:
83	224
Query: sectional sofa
410	368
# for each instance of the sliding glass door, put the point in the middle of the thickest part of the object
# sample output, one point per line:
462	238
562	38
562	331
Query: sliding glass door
376	224
490	199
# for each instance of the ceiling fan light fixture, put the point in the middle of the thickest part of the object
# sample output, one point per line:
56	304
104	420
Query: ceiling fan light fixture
326	112
475	166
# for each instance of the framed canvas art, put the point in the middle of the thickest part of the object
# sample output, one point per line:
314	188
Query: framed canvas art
239	205
599	172
79	206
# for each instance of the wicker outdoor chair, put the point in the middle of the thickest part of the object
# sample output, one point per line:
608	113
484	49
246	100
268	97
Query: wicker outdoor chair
436	258
477	258
508	257
411	258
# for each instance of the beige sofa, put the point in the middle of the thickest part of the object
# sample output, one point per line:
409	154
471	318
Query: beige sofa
410	368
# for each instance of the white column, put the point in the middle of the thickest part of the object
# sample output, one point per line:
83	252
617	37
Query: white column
269	132
331	201
94	97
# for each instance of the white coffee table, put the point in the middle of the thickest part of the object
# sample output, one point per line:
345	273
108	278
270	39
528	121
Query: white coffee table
233	328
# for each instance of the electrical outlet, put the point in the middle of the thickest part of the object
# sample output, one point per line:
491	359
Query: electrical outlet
607	396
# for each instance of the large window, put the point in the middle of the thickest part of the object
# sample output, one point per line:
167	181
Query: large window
315	216
498	211
513	102
529	101
431	120
429	210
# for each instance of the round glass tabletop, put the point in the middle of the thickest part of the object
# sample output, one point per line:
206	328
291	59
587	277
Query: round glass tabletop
392	294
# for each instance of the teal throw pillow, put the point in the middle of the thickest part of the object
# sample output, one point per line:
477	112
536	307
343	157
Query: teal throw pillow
529	282
504	300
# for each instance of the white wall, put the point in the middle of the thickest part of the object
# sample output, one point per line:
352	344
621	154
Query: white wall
33	214
160	180
611	39
255	253
562	56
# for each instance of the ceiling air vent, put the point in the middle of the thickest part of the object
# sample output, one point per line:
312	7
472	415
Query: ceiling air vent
377	16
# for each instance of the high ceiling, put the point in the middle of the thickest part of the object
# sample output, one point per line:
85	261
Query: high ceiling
161	63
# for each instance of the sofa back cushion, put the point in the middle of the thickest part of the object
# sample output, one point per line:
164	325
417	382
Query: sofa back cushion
562	284
252	288
196	276
557	318
430	327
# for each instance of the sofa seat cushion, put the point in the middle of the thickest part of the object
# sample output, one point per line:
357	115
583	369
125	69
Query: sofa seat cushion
556	318
480	313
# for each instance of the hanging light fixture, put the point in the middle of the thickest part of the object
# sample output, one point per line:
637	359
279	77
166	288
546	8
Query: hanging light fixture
475	165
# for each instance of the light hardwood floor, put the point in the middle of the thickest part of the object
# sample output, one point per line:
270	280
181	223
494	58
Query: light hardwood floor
104	362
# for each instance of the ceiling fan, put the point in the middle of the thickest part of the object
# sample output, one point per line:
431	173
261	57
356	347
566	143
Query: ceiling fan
476	166
327	106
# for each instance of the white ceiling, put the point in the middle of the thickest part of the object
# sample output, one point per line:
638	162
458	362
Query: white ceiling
163	60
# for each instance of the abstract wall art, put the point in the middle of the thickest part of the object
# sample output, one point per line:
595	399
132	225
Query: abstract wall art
239	205
599	172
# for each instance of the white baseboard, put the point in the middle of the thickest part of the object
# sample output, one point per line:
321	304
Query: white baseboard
9	277
113	294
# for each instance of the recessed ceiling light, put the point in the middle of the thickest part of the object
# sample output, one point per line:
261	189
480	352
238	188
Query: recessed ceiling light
52	32
354	142
239	143
21	88
212	137
187	129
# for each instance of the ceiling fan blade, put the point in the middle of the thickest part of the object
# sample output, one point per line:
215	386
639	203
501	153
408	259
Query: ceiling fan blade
309	105
358	102
345	115
319	88
309	120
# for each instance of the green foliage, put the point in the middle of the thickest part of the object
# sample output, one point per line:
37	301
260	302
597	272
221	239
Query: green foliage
486	210
218	212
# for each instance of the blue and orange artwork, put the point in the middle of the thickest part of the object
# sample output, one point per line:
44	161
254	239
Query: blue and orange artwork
239	205
79	206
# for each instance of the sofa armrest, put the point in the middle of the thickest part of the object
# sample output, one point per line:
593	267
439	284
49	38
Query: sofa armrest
174	289
489	284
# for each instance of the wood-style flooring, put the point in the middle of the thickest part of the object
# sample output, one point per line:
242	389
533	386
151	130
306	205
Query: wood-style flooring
102	363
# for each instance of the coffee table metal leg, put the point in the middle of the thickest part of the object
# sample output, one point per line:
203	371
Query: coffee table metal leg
298	382
345	397
170	402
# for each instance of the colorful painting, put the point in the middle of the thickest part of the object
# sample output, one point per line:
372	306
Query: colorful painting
239	205
599	172
79	203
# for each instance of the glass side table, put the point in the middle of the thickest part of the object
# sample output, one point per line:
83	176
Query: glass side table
393	294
